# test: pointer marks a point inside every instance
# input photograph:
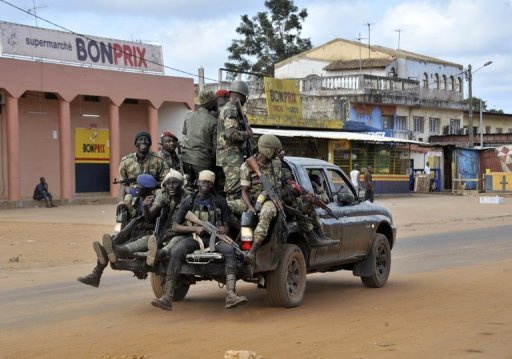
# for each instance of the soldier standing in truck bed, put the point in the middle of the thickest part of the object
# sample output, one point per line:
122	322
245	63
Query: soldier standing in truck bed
232	134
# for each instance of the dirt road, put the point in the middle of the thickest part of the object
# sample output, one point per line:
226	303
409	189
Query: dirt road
463	311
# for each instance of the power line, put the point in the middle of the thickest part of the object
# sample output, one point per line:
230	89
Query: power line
90	39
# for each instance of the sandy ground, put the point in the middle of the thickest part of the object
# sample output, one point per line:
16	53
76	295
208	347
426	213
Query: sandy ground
458	312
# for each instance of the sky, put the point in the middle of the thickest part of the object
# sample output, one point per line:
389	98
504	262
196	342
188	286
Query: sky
197	33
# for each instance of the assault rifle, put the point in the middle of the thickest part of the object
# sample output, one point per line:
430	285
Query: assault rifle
317	201
121	237
271	192
126	181
244	126
161	221
212	230
297	213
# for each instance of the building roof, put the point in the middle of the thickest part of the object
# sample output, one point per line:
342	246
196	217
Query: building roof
333	135
345	50
356	64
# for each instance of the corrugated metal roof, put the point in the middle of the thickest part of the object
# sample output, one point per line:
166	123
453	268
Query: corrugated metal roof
333	135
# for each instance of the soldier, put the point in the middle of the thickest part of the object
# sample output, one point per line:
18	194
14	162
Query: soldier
318	189
140	162
169	144
170	195
144	182
208	207
308	222
232	134
268	148
199	143
222	96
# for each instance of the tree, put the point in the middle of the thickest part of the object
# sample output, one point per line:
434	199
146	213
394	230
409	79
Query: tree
268	37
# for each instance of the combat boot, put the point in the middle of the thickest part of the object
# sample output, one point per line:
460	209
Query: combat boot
114	252
316	241
232	299
100	253
250	257
165	301
154	254
94	278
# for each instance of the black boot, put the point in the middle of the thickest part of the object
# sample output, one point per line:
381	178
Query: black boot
316	241
165	301
233	300
250	257
114	252
94	278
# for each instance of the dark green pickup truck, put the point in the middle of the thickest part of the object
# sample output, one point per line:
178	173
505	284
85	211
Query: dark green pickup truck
365	231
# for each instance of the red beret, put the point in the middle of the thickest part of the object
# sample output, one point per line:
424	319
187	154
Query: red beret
168	134
295	186
222	93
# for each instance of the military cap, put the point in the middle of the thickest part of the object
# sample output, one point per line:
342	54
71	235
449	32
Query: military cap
206	175
168	134
222	93
146	181
142	133
172	174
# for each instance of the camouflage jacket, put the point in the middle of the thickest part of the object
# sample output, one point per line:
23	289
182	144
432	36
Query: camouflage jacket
172	160
229	137
249	179
131	167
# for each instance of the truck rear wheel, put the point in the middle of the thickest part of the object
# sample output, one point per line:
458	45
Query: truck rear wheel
158	286
287	283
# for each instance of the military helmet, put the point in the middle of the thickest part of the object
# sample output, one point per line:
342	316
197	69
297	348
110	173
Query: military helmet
268	145
206	96
240	87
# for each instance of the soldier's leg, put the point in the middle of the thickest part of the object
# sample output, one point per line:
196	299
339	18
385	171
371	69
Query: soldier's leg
155	254
232	299
313	231
267	213
139	245
177	255
232	184
93	279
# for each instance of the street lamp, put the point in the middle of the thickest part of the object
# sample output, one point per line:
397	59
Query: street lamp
469	78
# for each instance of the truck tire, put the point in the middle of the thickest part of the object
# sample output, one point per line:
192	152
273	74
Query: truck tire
158	286
380	257
287	283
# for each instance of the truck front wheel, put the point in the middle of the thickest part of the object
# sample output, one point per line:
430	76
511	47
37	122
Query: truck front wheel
287	283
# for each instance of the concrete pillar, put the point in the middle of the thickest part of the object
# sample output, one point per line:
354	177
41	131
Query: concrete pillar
66	150
153	126
13	147
115	147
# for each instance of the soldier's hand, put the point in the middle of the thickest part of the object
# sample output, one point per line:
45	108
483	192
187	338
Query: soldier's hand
221	230
199	230
249	132
309	197
148	200
251	209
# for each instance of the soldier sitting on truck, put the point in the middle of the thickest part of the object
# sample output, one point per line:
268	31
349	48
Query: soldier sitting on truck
214	209
301	205
169	198
135	228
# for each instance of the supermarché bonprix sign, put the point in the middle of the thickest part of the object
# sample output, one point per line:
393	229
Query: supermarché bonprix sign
22	40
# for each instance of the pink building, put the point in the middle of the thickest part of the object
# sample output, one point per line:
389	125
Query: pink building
44	106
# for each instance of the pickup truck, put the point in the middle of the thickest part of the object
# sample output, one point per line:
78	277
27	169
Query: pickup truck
365	230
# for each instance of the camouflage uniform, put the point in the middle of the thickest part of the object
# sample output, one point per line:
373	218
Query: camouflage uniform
131	167
268	210
230	140
172	160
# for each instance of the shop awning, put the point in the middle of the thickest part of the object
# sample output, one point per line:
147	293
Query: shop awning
333	135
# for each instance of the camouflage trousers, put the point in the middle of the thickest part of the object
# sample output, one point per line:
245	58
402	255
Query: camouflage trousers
237	206
232	181
267	213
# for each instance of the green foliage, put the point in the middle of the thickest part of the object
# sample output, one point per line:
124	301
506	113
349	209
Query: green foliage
268	37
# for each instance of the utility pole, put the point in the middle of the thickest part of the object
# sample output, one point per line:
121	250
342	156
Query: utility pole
369	52
470	99
481	126
359	39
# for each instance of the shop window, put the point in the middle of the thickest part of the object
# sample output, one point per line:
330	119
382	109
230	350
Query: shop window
418	124
425	80
400	123
433	124
387	122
